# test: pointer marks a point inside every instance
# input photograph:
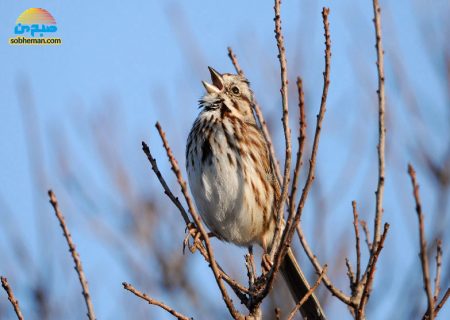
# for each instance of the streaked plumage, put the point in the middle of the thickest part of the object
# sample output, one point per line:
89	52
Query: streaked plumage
231	176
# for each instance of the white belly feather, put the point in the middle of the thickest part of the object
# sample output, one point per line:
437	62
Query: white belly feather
218	188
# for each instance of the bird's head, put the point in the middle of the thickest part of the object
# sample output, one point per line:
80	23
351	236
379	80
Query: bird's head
229	91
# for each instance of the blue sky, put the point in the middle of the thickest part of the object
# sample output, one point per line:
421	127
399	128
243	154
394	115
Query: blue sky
143	61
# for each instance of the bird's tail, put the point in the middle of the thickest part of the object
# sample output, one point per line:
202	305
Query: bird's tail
298	285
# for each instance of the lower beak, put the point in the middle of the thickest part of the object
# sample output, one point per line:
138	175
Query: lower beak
210	88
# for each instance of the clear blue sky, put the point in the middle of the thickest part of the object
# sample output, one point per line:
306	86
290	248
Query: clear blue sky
143	61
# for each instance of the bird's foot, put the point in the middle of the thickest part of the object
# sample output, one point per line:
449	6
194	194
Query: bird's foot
266	263
193	232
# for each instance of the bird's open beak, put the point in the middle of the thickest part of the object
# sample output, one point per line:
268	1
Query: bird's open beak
217	82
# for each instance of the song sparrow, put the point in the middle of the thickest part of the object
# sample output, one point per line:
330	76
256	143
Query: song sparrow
232	178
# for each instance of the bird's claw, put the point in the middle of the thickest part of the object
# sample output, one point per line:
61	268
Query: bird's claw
266	263
195	234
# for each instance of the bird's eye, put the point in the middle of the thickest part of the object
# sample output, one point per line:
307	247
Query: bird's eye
235	90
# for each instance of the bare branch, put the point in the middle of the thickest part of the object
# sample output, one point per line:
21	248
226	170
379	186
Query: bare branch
437	280
370	274
166	188
293	221
287	131
317	266
381	125
350	273
367	233
439	305
443	301
312	164
358	248
75	256
423	244
301	146
234	61
308	294
160	304
322	110
11	297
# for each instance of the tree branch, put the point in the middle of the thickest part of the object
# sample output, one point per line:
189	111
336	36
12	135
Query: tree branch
312	164
287	131
317	266
367	233
443	301
321	114
381	125
293	221
439	305
423	244
75	256
301	146
350	274
308	294
358	248
166	188
437	280
11	297
234	61
160	304
370	274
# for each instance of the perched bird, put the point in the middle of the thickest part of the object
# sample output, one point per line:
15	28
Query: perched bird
232	178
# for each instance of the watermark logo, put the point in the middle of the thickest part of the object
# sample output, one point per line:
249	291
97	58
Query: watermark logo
35	26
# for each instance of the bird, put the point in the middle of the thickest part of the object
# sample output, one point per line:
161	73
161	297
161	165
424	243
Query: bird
232	178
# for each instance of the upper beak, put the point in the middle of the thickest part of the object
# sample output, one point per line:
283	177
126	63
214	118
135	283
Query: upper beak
217	82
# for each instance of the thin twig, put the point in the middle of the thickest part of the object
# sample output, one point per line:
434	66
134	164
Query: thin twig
260	119
301	145
287	131
308	294
437	280
166	188
312	164
370	274
12	298
350	273
317	266
287	236
152	301
234	61
366	230
439	305
294	221
443	301
358	247
321	114
75	256
199	225
381	125
423	244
